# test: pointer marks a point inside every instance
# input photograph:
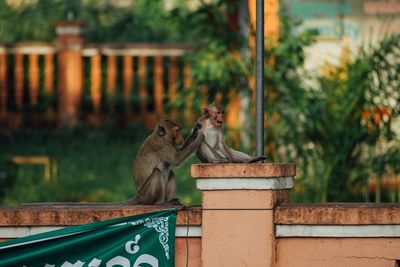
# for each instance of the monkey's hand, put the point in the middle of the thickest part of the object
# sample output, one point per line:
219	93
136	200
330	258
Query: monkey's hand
257	159
196	129
197	126
192	137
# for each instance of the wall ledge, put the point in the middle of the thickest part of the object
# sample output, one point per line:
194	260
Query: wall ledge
275	183
11	232
243	170
337	230
59	214
338	214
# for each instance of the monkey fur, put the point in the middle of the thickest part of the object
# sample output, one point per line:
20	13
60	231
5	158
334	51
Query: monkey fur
214	148
153	176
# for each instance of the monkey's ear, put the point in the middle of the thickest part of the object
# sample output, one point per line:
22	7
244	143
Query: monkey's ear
205	111
160	130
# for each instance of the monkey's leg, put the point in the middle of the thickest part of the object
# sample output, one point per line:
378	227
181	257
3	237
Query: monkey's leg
170	190
239	156
153	191
207	154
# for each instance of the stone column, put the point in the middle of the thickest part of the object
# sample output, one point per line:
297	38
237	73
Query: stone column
69	45
238	211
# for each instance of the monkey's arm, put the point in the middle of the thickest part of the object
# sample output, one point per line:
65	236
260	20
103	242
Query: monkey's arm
192	136
180	156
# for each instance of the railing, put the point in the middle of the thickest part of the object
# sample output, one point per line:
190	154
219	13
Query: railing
135	78
134	82
27	79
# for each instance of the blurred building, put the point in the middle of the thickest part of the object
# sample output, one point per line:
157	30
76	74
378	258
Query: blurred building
344	23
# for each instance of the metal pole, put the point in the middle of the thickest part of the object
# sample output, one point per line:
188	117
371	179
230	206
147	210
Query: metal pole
259	78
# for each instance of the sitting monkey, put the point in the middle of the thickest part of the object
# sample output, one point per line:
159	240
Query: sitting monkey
214	149
153	176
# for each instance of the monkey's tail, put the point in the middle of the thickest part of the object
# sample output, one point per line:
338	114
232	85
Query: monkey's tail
132	201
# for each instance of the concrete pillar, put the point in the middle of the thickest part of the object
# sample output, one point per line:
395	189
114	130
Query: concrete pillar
238	211
69	45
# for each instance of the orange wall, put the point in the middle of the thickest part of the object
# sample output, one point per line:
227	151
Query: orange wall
193	245
327	252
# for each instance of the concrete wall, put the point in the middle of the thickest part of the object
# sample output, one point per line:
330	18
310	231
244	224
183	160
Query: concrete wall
246	215
338	235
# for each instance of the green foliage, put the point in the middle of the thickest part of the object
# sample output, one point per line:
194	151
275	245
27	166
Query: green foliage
339	128
94	165
216	70
217	67
285	92
142	21
29	22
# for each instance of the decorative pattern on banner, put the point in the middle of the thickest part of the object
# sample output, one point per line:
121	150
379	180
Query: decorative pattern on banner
142	240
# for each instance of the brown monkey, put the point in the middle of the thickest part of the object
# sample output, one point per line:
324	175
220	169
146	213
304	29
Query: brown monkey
214	148
153	176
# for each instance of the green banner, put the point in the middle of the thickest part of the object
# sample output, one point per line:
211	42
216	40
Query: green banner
143	240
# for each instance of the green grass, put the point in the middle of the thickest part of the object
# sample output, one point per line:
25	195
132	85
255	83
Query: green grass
94	165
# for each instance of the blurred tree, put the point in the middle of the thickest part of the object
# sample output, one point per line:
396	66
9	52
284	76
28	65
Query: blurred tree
141	21
340	127
216	67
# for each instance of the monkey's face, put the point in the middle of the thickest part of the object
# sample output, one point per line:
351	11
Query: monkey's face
217	116
178	137
170	132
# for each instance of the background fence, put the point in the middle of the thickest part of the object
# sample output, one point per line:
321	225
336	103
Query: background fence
69	81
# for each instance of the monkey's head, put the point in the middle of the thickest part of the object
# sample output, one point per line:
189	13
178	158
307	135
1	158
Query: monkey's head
215	112
169	131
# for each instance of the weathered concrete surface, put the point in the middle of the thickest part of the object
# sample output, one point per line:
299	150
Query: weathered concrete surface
75	214
188	245
243	170
244	199
338	214
238	224
334	252
238	238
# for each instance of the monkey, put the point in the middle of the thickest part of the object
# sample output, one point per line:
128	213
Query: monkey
214	148
192	135
153	176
